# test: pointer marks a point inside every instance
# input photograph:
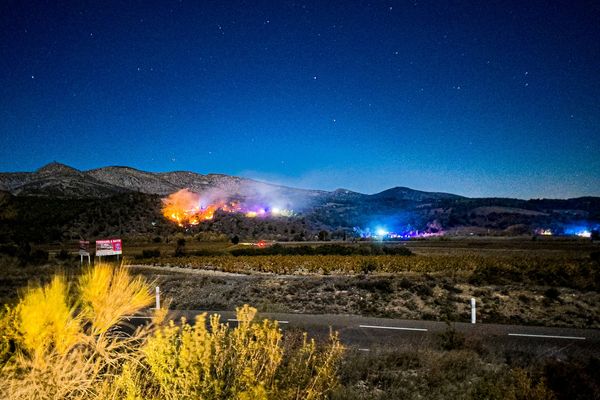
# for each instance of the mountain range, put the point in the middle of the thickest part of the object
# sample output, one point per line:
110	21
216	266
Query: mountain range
397	208
60	180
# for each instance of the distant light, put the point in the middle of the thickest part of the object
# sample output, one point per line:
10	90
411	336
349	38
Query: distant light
585	233
381	232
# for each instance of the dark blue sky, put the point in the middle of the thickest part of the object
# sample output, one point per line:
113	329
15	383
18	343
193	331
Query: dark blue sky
482	98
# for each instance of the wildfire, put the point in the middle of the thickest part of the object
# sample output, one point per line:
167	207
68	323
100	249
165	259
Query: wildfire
188	208
184	208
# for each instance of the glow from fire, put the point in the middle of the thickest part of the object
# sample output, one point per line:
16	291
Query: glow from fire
188	208
185	208
584	233
583	230
382	233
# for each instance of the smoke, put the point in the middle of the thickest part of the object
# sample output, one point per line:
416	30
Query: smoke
190	208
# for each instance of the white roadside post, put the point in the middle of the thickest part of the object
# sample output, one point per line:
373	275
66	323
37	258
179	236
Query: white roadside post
157	298
473	311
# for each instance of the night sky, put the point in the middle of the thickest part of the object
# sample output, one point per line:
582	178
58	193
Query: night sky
482	98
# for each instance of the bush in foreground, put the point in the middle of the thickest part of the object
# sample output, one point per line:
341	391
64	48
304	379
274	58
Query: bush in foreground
71	340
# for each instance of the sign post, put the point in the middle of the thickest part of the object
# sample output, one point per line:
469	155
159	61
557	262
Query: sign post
84	251
109	247
473	311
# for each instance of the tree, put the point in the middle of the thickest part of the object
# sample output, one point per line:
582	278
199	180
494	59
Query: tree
180	249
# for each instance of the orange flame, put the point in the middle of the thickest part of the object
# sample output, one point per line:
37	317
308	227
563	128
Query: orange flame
183	207
187	208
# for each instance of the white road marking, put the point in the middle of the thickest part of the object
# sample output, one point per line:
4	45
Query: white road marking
393	327
547	336
364	350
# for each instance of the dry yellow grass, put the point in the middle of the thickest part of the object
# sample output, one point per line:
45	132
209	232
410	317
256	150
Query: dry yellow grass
46	320
63	341
107	294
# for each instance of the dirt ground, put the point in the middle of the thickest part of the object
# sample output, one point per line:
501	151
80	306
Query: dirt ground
410	296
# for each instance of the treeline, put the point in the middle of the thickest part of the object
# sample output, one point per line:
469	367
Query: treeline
45	220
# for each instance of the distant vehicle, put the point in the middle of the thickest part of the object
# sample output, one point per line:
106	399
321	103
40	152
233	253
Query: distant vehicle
262	244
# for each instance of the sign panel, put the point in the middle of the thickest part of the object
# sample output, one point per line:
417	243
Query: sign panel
109	247
84	248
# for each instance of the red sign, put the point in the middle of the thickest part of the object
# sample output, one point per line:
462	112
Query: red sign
109	247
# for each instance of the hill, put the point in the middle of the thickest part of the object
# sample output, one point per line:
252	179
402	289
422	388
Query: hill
58	202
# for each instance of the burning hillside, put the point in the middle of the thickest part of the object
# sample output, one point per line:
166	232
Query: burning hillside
189	208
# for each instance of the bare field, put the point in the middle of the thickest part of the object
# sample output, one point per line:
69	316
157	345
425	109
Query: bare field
550	282
409	296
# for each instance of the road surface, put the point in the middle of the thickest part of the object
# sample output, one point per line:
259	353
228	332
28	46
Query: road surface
368	334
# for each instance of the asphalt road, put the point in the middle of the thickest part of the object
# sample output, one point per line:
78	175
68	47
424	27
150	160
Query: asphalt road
371	334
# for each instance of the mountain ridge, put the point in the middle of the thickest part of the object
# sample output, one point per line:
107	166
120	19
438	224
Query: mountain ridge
123	200
125	178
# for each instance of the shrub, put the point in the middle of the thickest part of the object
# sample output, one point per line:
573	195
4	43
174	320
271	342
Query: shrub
451	339
150	253
180	248
405	283
191	361
38	256
70	340
552	294
424	290
63	255
375	285
64	343
24	252
368	266
9	249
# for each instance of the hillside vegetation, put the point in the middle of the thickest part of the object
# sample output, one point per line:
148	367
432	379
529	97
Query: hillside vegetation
65	203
